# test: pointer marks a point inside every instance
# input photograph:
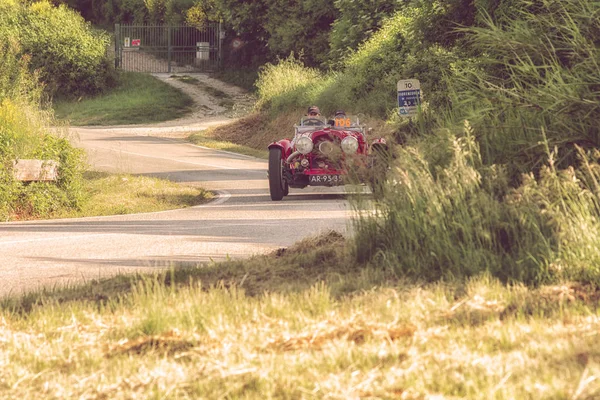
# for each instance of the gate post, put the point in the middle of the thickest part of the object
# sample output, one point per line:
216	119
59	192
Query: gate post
117	41
169	47
221	36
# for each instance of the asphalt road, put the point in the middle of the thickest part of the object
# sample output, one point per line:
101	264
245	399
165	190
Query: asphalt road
240	222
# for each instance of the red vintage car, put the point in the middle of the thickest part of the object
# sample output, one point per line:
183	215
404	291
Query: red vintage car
326	153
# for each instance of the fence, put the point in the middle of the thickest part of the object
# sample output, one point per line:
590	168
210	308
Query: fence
164	48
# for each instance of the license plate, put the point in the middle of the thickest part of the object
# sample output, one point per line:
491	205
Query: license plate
325	180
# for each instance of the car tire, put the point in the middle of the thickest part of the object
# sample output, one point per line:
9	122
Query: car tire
277	186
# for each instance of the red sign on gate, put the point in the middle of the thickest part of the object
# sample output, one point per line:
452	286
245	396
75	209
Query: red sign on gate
136	42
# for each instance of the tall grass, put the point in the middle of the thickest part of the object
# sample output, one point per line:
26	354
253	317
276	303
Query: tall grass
537	79
287	84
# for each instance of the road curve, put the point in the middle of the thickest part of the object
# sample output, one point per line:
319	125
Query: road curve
240	222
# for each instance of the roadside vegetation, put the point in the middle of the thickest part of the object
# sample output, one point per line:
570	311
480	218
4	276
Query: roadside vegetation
25	121
137	98
112	194
499	173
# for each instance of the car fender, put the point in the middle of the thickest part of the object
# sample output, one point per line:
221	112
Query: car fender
285	145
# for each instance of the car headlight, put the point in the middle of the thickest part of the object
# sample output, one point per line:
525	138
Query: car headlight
349	145
304	145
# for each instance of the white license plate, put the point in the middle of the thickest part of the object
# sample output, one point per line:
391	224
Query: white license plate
325	180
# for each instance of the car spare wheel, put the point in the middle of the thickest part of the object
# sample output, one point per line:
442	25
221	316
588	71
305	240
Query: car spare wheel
277	186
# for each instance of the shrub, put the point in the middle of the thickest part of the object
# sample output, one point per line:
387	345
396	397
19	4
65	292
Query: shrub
70	56
24	134
356	22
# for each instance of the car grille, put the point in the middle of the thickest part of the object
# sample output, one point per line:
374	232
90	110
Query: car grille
327	154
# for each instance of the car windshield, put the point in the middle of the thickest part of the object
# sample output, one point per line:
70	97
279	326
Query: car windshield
312	121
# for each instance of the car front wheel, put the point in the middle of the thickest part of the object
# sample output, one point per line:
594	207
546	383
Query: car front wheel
277	186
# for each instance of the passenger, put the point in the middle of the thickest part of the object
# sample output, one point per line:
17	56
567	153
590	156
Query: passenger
339	114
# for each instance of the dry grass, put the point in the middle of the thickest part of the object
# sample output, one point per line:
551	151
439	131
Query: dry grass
259	129
261	331
255	131
355	330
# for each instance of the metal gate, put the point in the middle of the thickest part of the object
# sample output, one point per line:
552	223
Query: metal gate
172	49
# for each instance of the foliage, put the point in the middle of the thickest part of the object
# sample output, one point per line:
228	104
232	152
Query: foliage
514	192
356	22
24	134
536	79
70	55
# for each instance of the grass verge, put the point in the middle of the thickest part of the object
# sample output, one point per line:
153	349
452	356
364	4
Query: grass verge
250	134
226	330
127	194
139	98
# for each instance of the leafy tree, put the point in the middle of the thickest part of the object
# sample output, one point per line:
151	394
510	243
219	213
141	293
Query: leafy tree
70	55
356	22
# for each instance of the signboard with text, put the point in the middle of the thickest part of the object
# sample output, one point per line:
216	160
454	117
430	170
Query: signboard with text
409	97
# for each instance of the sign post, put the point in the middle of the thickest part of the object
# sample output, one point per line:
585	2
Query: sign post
409	97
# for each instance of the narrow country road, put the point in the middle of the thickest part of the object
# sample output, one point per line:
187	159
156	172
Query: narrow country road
240	222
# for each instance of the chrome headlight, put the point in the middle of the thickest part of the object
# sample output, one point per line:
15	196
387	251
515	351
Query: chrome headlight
349	145
304	145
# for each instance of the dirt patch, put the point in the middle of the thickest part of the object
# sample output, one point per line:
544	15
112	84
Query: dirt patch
256	130
209	103
209	109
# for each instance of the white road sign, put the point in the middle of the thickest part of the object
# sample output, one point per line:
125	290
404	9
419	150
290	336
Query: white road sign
409	97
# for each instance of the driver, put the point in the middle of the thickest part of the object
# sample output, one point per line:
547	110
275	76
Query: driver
313	117
313	111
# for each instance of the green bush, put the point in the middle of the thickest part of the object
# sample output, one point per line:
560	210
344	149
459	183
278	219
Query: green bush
402	48
69	54
24	134
356	22
40	199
